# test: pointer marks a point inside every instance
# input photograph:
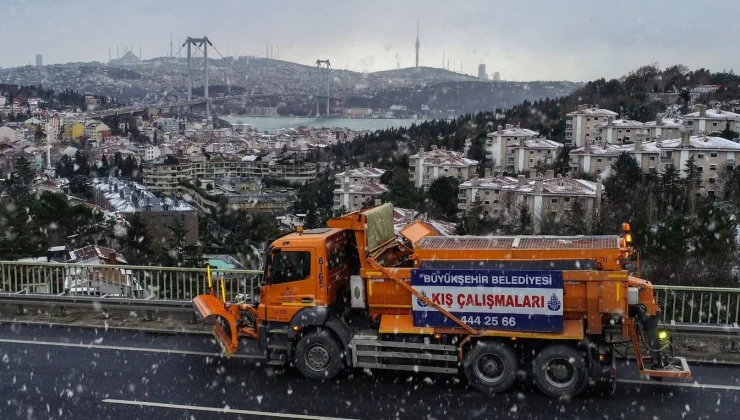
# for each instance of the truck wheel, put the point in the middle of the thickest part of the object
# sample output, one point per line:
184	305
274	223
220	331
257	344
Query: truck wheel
560	371
318	356
491	366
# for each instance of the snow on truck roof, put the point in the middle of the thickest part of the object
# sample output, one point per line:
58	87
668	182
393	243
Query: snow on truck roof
519	242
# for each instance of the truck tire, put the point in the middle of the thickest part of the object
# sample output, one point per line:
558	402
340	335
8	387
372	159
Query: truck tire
491	366
560	371
319	356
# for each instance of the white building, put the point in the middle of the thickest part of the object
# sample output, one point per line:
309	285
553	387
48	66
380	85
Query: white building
352	197
357	175
499	141
709	121
582	124
548	198
426	166
663	128
620	131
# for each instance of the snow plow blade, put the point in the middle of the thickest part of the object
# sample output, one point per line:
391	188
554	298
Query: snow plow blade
213	311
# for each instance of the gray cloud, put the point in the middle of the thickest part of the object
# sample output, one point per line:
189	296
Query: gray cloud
536	39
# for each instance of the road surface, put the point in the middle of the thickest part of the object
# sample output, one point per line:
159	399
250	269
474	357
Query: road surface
76	373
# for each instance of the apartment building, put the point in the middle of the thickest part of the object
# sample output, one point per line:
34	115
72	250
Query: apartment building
709	121
356	175
96	130
620	131
426	166
351	197
169	125
582	124
499	141
711	155
596	158
127	198
663	128
528	154
209	202
165	178
549	198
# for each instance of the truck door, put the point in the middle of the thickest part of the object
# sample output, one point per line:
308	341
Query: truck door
290	281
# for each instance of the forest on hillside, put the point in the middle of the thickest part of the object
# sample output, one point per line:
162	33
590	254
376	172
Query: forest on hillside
683	238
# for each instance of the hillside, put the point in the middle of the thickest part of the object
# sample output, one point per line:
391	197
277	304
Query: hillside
464	97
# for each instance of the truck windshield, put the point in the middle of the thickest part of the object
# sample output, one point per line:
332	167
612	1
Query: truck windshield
287	266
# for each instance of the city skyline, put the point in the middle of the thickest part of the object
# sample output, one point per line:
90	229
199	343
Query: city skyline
521	45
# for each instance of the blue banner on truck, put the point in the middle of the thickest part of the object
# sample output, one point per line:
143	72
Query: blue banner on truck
514	300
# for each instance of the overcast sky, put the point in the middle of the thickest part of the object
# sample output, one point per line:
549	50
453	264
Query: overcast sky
524	40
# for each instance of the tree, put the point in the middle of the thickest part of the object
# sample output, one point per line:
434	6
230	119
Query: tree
442	198
475	221
20	180
692	184
576	222
523	224
137	241
727	133
626	174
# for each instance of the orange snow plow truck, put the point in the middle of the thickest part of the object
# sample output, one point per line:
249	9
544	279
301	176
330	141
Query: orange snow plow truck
355	294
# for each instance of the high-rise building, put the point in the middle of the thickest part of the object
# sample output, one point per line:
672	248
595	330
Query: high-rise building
417	43
39	60
482	72
496	76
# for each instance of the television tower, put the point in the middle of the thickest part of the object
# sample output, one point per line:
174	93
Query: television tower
417	43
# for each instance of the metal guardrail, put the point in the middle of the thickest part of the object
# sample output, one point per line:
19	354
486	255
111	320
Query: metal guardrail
699	305
121	281
116	285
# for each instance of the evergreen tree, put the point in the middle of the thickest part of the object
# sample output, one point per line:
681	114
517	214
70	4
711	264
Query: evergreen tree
524	224
692	184
442	198
20	180
575	219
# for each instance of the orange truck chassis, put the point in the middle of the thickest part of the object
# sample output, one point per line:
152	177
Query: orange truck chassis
355	294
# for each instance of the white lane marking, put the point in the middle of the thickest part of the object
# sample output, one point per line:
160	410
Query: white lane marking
679	384
222	410
124	348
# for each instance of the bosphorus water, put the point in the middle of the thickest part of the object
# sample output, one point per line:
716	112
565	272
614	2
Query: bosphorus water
271	124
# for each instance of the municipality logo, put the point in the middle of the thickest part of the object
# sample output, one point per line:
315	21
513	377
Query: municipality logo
554	303
421	302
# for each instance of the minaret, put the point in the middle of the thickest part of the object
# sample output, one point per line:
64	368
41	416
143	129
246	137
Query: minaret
417	42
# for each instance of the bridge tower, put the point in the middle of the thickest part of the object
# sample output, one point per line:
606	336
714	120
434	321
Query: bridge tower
319	63
204	43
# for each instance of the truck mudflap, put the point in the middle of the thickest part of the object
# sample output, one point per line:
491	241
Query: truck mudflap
214	311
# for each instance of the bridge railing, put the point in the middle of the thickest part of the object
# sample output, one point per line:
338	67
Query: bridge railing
699	305
679	304
124	281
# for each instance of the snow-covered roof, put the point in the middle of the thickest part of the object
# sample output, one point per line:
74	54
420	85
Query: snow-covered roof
364	172
369	187
696	142
594	112
504	182
667	122
625	123
561	186
715	114
539	144
130	197
603	149
70	151
442	157
514	132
